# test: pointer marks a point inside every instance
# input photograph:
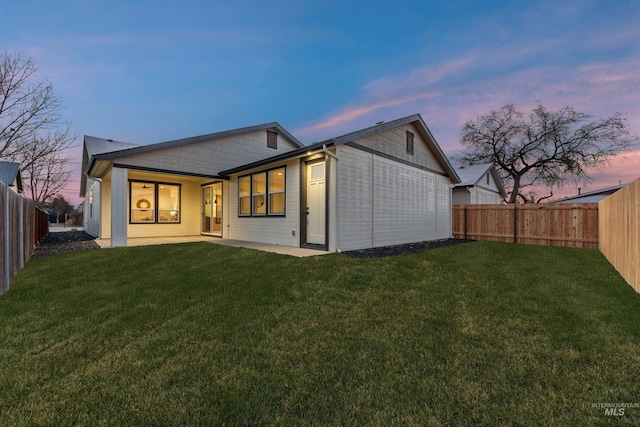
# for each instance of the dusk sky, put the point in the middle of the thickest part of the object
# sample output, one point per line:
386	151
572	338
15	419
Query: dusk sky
151	71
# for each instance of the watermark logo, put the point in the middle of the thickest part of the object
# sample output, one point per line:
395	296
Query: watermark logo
615	409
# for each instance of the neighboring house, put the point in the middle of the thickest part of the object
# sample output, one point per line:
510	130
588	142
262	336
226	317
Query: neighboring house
592	196
479	184
10	174
53	216
384	185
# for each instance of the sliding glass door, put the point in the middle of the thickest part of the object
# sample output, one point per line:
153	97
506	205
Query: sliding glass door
212	209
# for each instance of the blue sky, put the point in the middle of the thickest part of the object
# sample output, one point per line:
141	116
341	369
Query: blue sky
151	71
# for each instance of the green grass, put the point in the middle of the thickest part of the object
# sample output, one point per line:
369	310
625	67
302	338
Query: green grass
482	333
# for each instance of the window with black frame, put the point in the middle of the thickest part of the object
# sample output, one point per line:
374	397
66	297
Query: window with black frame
262	193
153	202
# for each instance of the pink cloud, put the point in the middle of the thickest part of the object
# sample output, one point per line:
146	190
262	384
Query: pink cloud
417	79
623	168
450	94
351	114
391	91
600	89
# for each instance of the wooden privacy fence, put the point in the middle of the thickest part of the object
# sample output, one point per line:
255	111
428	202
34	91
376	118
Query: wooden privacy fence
571	225
22	226
620	232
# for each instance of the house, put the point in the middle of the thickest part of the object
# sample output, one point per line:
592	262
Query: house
480	184
53	216
383	185
10	174
593	196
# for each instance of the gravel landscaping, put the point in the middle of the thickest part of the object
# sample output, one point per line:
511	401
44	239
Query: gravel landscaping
63	242
69	241
409	248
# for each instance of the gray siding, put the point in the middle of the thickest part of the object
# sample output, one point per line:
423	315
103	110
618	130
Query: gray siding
486	193
443	208
92	216
478	194
355	208
483	196
394	143
271	230
492	186
461	196
404	203
475	196
211	157
384	202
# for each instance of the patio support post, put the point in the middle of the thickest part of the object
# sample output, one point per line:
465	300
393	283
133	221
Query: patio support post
119	191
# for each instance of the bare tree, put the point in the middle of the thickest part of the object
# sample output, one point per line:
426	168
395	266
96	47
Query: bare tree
62	207
32	132
545	148
45	176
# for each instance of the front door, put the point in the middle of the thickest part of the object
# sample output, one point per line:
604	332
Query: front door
316	195
212	209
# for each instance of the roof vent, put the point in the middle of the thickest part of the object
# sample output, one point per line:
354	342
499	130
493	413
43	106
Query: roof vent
110	140
379	123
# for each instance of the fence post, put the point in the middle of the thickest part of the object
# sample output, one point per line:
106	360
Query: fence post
515	223
7	246
465	222
21	232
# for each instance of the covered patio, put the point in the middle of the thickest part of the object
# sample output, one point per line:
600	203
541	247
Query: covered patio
283	250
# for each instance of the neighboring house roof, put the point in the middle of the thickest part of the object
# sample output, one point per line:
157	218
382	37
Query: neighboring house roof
10	174
107	149
353	136
472	174
593	196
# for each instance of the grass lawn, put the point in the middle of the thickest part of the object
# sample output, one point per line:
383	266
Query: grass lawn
480	333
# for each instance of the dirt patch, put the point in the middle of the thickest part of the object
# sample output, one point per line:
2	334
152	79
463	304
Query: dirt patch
409	248
63	242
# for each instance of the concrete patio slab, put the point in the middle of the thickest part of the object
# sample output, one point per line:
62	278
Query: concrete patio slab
61	228
147	241
283	250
